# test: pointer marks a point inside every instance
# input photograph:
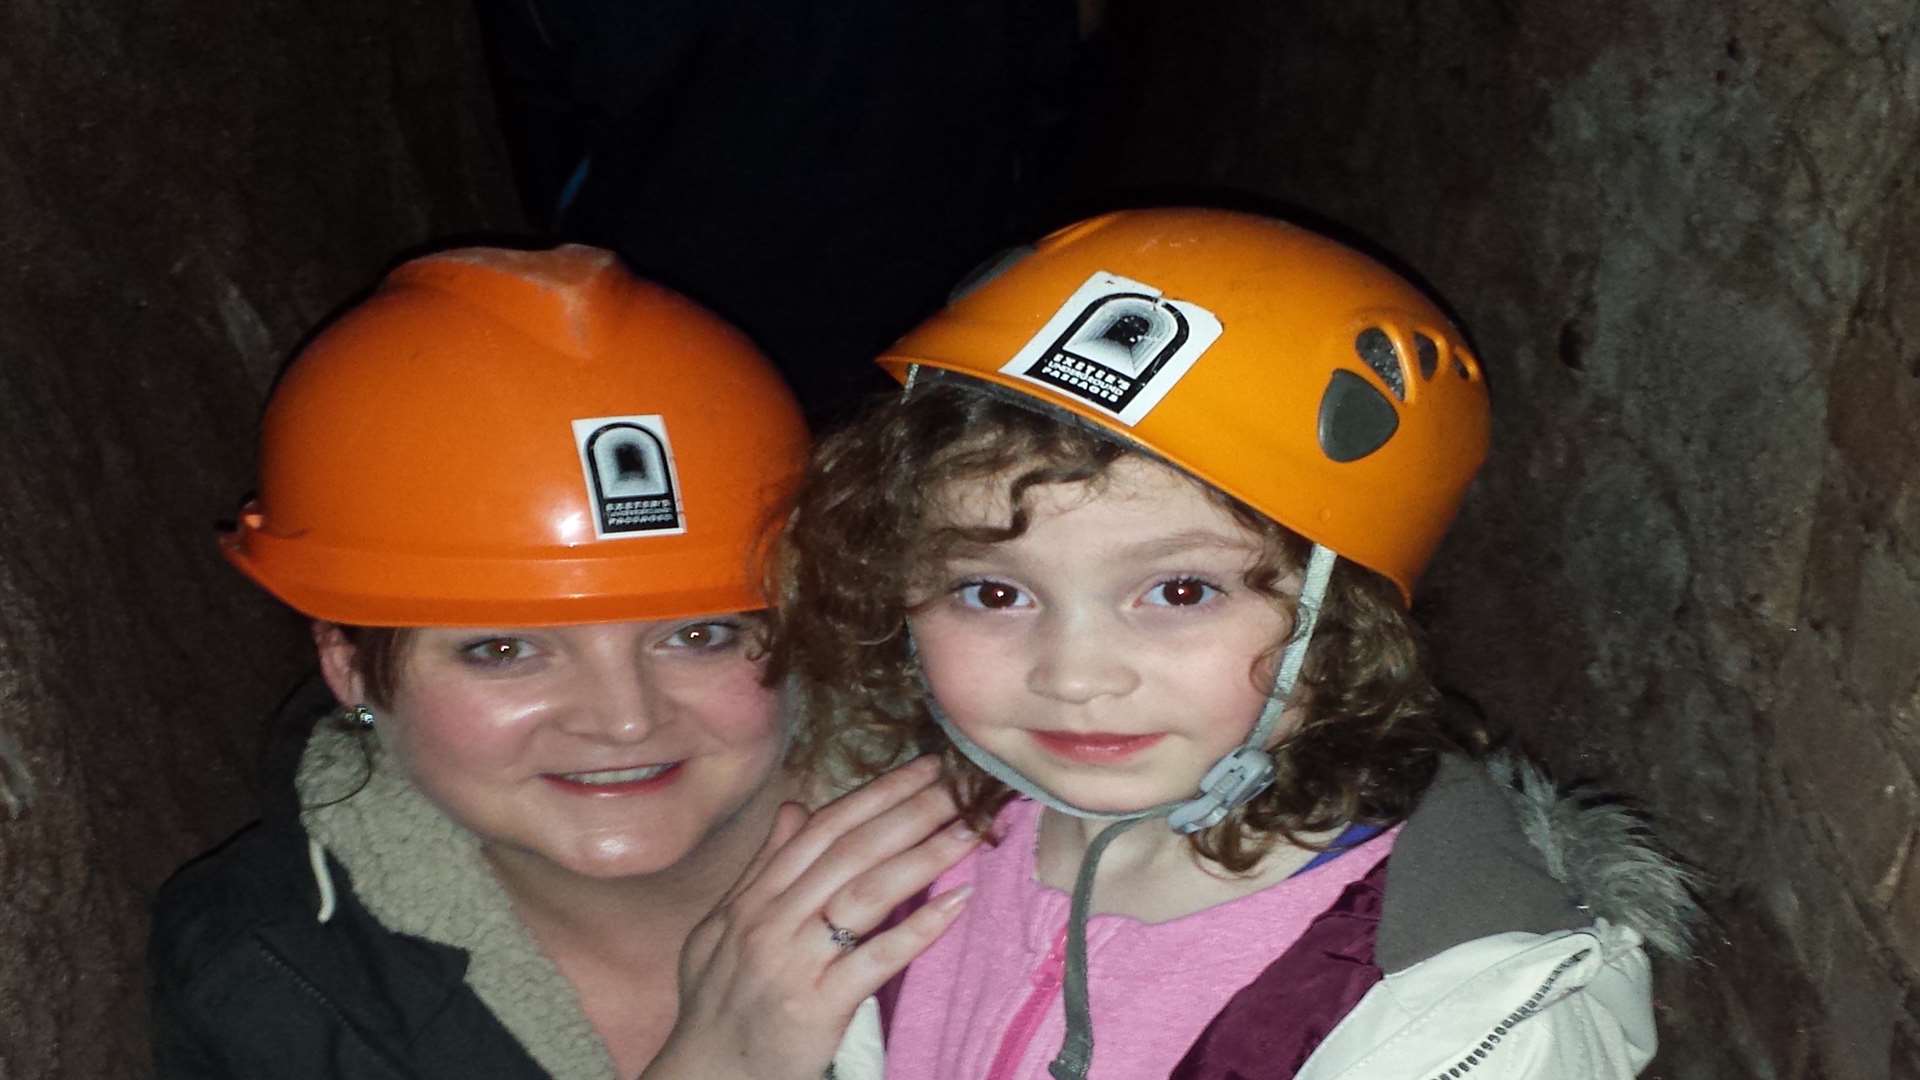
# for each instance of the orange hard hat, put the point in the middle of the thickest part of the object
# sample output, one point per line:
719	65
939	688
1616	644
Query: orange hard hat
1285	369
519	438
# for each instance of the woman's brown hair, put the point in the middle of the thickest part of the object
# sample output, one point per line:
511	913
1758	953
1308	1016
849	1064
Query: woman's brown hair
863	535
379	655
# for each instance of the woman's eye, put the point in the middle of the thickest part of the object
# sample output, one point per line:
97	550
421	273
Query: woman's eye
706	635
496	652
1181	592
991	595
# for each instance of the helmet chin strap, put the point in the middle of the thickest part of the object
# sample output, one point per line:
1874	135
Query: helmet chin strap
1239	776
1248	770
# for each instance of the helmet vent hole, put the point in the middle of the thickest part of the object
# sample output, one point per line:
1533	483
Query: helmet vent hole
1428	353
1376	349
1355	418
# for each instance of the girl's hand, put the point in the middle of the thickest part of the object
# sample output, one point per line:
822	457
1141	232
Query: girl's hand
765	990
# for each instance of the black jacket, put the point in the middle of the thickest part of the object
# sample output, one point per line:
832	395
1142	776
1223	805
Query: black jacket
244	981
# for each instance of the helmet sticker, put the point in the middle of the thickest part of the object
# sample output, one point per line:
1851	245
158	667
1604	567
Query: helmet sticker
1116	345
631	482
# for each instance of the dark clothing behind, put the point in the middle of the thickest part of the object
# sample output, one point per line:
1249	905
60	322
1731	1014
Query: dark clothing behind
244	982
819	173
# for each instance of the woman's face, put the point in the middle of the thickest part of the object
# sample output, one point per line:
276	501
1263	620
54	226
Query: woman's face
608	750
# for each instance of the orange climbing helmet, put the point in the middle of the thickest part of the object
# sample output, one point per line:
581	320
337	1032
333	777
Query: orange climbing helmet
519	438
1285	369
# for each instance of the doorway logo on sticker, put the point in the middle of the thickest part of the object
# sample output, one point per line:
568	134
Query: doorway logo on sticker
631	481
1117	345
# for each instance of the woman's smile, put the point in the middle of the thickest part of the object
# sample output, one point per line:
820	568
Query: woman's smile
613	782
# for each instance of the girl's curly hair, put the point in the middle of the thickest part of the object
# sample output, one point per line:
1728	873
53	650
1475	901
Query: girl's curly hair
863	537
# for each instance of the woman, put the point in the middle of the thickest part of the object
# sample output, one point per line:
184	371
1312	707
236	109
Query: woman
520	495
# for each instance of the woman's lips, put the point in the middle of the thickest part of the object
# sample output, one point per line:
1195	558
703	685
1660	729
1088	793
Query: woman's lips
1093	746
611	782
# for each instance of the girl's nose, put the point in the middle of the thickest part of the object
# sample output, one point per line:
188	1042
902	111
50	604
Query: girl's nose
1075	662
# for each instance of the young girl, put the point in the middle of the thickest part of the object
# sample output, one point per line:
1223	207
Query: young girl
1131	553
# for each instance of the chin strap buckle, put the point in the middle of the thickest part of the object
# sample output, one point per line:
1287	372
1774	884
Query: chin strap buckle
1232	781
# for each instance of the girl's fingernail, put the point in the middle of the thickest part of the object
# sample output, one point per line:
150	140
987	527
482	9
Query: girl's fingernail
951	900
960	830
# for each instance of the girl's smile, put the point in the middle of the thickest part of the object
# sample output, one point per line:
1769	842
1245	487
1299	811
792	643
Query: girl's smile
1094	746
1113	651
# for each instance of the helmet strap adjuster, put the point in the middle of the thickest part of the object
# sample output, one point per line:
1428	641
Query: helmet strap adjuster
1231	782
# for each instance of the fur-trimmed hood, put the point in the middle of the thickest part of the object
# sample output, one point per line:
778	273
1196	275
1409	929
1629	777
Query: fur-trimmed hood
1606	856
1495	846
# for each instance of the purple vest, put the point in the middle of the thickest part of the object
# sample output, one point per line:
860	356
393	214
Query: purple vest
1270	1028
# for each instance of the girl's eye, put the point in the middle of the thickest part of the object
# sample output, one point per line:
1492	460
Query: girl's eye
1181	592
991	595
703	635
496	652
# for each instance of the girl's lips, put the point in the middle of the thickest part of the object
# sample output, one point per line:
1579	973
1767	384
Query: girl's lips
1093	746
614	782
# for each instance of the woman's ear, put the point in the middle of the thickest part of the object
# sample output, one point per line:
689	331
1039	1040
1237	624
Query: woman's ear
337	654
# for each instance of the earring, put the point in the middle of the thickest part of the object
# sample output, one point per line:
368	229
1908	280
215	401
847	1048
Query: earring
356	718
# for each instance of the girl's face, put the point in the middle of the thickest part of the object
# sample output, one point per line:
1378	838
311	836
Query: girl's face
609	750
1109	653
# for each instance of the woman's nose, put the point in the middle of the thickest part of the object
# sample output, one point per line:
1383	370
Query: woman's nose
1076	662
615	704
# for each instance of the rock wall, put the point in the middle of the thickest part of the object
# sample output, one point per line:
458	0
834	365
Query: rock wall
1679	232
1683	237
185	190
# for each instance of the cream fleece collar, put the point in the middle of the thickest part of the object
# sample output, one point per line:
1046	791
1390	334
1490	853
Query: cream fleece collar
421	874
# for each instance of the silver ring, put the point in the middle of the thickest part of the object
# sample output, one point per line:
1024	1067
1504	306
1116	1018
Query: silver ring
843	939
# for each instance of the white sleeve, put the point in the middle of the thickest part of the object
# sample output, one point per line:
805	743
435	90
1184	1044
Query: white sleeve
862	1054
1567	1006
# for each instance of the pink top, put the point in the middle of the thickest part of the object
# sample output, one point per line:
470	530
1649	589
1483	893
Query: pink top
984	1001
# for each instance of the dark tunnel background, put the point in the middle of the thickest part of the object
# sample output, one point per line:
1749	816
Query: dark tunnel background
1682	235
